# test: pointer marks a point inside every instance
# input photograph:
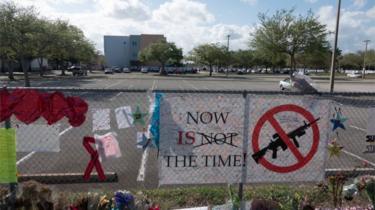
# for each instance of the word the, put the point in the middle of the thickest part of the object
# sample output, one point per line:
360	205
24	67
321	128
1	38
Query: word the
206	160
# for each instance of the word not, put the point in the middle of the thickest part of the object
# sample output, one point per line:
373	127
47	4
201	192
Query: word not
370	138
207	160
207	117
211	138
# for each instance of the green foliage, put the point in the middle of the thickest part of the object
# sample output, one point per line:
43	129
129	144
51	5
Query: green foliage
285	33
162	52
25	36
210	55
370	189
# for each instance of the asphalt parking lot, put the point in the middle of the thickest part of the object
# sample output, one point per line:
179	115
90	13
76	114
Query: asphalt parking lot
73	158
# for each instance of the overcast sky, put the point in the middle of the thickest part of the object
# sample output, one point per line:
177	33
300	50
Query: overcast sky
189	23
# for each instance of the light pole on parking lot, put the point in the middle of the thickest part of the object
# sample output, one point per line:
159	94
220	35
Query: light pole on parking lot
333	61
228	36
364	58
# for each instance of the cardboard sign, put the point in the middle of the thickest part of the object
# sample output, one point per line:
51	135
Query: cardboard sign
39	138
201	138
288	139
370	137
8	168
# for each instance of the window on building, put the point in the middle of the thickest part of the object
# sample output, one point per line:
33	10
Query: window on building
134	43
124	42
134	55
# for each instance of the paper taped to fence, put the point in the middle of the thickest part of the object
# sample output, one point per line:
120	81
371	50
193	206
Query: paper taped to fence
201	138
39	138
371	123
124	117
288	139
100	119
107	146
8	168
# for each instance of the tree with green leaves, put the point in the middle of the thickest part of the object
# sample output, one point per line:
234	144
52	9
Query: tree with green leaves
286	33
209	54
162	52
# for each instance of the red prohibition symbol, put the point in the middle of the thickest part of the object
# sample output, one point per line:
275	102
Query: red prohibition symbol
301	159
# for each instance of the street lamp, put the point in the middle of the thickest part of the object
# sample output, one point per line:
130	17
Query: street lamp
228	36
333	62
364	58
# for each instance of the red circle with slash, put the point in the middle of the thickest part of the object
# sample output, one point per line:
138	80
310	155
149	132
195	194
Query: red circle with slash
269	117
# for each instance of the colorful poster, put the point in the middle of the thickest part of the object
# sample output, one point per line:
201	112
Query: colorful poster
371	125
201	138
8	168
39	138
100	119
107	146
124	117
287	139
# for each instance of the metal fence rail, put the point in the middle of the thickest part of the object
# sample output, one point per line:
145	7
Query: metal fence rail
64	167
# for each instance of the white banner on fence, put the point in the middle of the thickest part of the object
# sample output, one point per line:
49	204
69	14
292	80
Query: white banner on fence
201	138
287	139
100	119
124	117
371	124
40	138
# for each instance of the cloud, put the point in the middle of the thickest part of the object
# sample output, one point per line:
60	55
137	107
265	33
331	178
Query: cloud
359	3
251	2
124	9
354	26
311	1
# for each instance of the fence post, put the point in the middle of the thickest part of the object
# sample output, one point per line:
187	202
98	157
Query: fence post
12	186
244	150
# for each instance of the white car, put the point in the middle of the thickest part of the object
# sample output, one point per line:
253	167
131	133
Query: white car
144	70
125	70
286	84
354	75
108	71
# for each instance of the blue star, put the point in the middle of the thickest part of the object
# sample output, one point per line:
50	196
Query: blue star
145	142
338	121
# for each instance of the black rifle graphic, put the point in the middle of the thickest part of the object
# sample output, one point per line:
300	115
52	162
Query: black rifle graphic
277	142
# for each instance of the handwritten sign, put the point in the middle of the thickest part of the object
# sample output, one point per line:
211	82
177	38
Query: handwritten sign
288	139
8	168
40	138
370	137
201	139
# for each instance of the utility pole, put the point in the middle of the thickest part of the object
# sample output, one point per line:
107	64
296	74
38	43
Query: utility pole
364	58
333	62
228	36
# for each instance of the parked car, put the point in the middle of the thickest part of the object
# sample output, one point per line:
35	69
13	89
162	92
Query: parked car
126	70
77	70
144	70
116	69
286	84
354	75
108	71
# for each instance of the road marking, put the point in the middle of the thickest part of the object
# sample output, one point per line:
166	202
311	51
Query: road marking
358	157
112	85
189	84
142	169
358	128
153	85
28	156
114	97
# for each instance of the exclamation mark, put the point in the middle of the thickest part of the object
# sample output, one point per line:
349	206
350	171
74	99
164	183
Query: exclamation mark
244	159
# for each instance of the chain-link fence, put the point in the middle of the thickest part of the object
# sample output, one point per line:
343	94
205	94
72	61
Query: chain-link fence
232	126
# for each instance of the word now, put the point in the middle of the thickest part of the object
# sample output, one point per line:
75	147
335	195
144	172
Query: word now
205	160
190	138
207	117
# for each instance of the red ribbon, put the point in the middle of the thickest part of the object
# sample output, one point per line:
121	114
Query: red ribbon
94	162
